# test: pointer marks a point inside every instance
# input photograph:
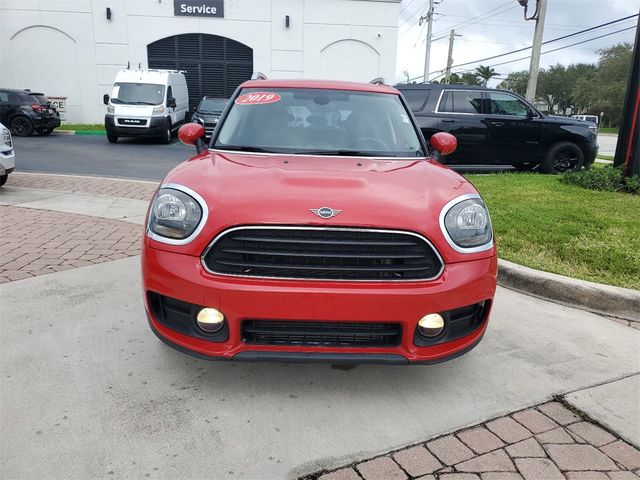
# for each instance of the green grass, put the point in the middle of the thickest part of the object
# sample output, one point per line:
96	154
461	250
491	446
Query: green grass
608	130
91	127
605	157
544	224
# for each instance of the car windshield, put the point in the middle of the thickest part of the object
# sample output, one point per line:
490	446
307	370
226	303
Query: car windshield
138	93
319	122
212	104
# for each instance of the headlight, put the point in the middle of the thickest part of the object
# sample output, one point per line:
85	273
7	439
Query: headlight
111	109
593	129
176	216
466	224
6	137
158	109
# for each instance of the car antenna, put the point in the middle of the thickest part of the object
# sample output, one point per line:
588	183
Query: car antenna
377	81
128	65
260	76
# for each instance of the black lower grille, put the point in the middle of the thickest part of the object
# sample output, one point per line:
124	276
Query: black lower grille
321	334
323	254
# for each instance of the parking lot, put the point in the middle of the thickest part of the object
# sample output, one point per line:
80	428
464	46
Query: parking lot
88	390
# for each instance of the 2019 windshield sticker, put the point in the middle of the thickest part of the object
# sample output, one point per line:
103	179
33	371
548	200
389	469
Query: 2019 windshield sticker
257	98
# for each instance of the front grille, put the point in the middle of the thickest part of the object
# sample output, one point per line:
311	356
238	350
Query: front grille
323	254
321	334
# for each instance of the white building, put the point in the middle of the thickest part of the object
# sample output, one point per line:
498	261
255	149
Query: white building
73	48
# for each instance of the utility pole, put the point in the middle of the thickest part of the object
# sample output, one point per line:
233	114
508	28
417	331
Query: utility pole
452	36
534	67
427	52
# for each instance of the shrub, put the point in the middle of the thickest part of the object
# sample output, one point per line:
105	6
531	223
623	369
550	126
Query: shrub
609	179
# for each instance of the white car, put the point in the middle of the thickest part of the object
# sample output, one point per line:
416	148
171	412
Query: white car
7	154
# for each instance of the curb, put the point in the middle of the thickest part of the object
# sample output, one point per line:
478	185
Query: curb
79	132
623	303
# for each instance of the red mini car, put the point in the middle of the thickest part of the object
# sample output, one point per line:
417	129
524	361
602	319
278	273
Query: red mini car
318	226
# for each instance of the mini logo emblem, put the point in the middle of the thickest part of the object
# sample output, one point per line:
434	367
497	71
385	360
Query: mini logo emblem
325	212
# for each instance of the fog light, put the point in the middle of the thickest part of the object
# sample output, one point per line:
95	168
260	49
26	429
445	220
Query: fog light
431	325
210	320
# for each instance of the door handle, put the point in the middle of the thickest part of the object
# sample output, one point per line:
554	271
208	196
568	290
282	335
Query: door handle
448	120
497	124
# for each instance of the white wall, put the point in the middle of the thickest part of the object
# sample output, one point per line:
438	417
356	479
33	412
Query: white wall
69	48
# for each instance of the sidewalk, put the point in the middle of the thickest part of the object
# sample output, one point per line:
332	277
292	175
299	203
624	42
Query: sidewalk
548	442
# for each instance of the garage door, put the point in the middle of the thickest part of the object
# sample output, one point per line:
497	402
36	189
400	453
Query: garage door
213	65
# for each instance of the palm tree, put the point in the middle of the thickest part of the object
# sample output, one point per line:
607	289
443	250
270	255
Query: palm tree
486	74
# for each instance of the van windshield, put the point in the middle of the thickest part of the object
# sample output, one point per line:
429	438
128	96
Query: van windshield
319	122
137	94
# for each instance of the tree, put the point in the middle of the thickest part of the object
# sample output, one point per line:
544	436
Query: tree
486	73
516	82
470	79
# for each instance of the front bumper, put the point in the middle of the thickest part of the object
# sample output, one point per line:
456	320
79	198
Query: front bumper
156	128
183	277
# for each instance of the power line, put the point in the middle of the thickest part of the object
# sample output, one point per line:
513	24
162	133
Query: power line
548	41
481	17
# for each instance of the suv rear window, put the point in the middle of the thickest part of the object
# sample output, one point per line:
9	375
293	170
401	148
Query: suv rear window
461	101
416	98
319	122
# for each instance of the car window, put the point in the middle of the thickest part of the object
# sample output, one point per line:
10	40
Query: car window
461	101
416	98
4	97
319	121
213	104
505	104
137	93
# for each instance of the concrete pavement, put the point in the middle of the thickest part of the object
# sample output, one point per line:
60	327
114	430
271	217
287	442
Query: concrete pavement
88	391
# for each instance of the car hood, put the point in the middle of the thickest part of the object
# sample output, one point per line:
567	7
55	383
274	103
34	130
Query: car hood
252	189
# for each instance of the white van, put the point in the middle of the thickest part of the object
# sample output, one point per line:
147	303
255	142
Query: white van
146	103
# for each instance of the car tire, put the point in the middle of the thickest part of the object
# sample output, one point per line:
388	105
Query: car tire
3	179
525	167
111	137
563	157
21	126
165	139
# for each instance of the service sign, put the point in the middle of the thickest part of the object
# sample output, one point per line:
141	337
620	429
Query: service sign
198	8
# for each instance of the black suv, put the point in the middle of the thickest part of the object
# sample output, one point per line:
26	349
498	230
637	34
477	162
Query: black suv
498	127
208	113
24	111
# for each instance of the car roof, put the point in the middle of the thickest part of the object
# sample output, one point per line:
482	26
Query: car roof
321	84
18	90
432	86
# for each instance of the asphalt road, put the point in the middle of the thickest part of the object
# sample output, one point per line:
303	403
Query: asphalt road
141	159
87	390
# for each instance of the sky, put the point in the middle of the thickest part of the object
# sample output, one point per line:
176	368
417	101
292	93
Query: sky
492	27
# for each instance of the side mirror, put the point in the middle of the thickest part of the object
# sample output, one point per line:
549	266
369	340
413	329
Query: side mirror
192	134
171	102
443	144
530	113
105	99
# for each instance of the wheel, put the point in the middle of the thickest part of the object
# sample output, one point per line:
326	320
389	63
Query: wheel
165	139
21	126
3	179
563	157
525	167
112	138
45	131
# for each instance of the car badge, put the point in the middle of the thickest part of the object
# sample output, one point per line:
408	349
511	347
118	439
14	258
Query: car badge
325	212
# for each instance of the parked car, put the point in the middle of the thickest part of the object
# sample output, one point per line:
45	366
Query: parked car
318	227
587	118
497	127
146	103
7	154
23	113
208	113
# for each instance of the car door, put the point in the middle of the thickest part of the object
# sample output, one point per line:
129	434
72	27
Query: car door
514	134
4	108
460	112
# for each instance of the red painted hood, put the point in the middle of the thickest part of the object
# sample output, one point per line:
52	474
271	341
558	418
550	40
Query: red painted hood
250	189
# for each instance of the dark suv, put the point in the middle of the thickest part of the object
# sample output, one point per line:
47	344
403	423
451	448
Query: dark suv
24	111
208	113
498	127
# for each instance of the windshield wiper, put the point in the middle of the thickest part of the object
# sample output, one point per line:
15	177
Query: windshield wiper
241	148
341	153
143	103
